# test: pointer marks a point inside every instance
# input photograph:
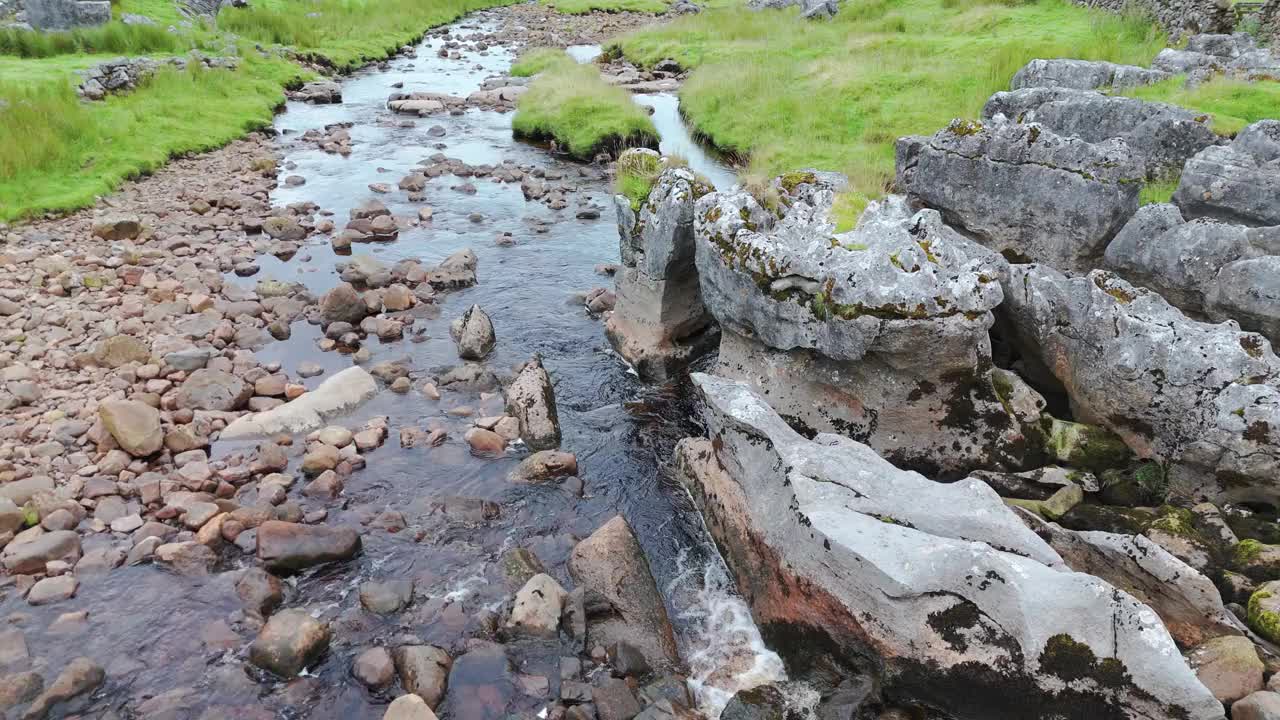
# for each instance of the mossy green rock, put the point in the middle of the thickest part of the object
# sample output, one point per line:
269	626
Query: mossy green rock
1122	520
1264	611
1061	502
1259	561
1084	446
1253	527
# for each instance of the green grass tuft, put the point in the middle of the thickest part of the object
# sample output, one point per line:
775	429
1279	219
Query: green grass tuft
573	105
581	7
59	153
835	95
538	59
1230	104
344	33
114	38
1158	191
637	172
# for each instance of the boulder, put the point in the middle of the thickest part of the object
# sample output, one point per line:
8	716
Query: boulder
1083	75
338	393
134	425
409	707
531	400
29	557
955	601
538	606
455	272
1236	183
1185	600
1203	398
621	600
424	671
659	323
343	304
829	327
1161	136
292	546
1262	705
1073	195
473	333
1229	667
207	389
290	641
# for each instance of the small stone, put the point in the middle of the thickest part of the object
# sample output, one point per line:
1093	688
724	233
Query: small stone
53	589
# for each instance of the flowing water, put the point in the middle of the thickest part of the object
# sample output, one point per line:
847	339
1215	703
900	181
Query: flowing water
174	646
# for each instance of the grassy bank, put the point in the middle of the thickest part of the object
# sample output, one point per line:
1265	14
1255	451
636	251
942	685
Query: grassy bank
835	95
571	104
580	7
1233	104
344	33
58	153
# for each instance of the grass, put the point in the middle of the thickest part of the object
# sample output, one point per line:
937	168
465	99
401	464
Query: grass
1158	191
581	7
344	33
572	105
536	60
60	152
1233	104
835	95
636	173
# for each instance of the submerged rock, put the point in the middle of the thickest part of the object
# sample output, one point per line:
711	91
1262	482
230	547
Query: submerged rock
1073	196
830	327
531	400
659	323
621	600
1203	398
960	604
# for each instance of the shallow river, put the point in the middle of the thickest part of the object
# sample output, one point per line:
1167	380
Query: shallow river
172	645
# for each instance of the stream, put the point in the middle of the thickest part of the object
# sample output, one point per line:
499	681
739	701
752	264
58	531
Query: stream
173	645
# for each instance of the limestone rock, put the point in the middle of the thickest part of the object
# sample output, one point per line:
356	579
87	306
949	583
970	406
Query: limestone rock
825	537
829	327
473	332
290	641
1083	75
338	393
1073	195
1236	183
659	323
621	599
1200	397
531	400
134	425
538	606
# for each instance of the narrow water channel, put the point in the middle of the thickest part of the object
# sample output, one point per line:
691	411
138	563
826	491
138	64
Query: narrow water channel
176	645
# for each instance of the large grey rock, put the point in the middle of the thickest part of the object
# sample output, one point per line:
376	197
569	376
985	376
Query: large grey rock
1206	267
1072	196
957	603
1161	136
830	327
207	389
1185	600
809	9
659	324
1201	397
1238	182
473	333
1083	75
1179	62
621	600
531	400
67	14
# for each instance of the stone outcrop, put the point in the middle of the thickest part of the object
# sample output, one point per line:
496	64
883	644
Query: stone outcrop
1204	398
938	588
122	75
659	323
531	400
1161	136
832	329
1178	18
1236	183
1083	75
1073	196
66	14
1212	269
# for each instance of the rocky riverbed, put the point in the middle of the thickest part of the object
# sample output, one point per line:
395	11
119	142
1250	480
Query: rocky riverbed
326	417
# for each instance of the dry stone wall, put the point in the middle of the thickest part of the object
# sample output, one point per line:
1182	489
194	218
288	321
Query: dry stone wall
1178	17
